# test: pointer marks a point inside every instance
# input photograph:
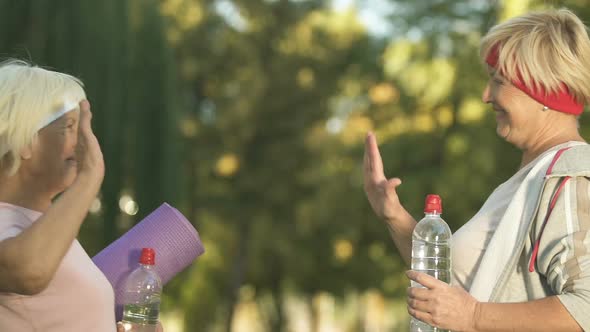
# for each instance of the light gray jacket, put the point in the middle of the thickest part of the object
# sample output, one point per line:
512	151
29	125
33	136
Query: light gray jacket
563	263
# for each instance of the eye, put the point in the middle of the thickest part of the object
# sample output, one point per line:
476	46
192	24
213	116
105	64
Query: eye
69	127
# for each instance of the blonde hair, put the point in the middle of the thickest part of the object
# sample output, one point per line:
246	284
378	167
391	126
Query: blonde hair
29	95
548	48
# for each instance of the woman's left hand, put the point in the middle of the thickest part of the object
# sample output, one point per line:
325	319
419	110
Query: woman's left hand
440	304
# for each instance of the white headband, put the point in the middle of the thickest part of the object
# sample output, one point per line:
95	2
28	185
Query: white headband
67	107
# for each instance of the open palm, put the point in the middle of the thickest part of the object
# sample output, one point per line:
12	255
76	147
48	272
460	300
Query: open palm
380	191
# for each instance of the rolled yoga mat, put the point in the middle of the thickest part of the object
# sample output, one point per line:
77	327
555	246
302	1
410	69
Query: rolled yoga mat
175	240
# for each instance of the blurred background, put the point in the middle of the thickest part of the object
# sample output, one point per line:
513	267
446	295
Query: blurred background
250	117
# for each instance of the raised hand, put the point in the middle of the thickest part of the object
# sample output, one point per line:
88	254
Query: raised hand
380	191
89	154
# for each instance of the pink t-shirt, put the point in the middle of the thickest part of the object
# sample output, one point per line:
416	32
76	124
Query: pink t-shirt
78	298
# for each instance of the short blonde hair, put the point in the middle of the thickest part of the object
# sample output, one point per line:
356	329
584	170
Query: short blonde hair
548	48
29	95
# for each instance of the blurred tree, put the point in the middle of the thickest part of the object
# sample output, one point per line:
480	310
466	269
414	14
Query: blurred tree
262	84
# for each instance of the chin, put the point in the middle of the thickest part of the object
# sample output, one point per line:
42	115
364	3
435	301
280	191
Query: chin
503	131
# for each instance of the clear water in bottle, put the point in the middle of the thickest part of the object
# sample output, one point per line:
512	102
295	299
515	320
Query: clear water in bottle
143	290
142	313
431	251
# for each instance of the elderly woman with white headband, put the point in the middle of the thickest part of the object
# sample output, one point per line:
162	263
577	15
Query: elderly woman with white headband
47	147
522	263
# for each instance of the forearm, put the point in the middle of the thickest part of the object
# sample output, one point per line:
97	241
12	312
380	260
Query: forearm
29	260
401	231
547	314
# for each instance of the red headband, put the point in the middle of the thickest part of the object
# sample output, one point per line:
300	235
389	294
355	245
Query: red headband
560	101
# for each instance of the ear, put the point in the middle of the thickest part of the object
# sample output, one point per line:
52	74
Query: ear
26	152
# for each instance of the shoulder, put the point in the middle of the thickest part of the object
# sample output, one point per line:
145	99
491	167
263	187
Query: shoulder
573	162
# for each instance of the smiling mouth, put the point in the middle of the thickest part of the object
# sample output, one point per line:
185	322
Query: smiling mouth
499	111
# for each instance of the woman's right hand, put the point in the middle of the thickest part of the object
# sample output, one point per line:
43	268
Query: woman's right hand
89	155
380	191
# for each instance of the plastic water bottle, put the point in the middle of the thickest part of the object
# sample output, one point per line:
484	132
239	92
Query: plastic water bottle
431	251
143	289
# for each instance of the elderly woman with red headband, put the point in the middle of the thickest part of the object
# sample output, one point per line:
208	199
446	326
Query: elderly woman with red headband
522	263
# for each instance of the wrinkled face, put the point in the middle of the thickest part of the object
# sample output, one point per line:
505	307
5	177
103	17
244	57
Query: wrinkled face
518	117
52	160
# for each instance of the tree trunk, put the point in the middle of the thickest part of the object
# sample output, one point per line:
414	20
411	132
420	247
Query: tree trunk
237	275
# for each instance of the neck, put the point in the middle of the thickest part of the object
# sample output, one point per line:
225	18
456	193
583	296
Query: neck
18	191
531	152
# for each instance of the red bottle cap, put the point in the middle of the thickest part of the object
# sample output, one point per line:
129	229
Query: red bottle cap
433	204
148	256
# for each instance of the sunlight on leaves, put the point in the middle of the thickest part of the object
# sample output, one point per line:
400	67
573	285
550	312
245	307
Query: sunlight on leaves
396	57
227	165
513	8
471	110
383	93
424	123
305	78
343	250
441	77
189	127
457	145
356	129
377	251
397	126
186	14
415	78
444	116
322	32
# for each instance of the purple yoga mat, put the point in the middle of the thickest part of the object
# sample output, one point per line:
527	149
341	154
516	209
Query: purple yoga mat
175	240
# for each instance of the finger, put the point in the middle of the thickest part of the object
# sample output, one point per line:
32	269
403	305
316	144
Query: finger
159	328
421	316
424	279
366	165
418	305
375	161
416	293
85	117
392	184
369	179
85	105
82	132
87	140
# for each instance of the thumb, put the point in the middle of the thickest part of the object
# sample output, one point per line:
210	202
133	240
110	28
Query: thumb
394	183
391	185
